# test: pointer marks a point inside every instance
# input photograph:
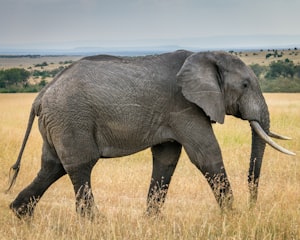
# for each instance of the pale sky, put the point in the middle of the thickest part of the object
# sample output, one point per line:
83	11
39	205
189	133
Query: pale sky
123	22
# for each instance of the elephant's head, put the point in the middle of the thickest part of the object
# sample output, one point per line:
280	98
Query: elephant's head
220	83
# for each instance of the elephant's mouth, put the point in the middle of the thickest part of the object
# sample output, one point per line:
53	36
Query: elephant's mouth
238	114
266	137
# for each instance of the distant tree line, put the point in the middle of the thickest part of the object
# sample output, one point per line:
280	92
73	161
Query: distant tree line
21	56
279	76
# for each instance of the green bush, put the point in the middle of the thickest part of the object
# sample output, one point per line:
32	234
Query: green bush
282	69
43	64
280	85
13	77
259	70
279	76
16	80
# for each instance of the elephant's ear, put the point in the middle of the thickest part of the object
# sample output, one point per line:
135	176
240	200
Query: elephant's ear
200	79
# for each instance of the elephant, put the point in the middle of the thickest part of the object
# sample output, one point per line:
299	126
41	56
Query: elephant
109	106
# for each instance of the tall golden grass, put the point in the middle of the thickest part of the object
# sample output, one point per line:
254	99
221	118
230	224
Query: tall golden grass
120	187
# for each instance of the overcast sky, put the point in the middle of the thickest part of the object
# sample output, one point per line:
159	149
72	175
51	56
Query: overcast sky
54	22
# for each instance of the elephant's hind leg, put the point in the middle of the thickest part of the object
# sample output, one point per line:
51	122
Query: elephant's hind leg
79	153
165	158
51	170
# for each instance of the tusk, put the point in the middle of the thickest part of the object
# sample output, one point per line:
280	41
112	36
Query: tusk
258	129
275	135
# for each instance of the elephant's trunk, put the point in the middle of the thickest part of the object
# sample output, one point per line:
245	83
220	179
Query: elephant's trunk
260	136
257	153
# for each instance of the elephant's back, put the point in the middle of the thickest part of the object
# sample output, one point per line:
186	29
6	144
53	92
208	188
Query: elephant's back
114	81
112	72
99	85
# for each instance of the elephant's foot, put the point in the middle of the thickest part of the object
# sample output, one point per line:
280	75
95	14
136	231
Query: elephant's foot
156	199
226	203
155	203
153	211
222	190
85	205
87	209
23	210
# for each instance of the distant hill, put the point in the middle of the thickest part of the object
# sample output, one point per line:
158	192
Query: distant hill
150	46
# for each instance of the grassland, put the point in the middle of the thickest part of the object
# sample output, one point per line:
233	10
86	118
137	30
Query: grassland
120	187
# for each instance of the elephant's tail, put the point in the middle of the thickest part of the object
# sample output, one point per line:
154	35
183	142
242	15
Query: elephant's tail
16	167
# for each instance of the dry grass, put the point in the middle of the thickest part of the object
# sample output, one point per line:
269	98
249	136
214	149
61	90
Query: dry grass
120	187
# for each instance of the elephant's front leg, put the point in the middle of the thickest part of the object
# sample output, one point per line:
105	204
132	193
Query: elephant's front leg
220	186
198	139
207	158
165	158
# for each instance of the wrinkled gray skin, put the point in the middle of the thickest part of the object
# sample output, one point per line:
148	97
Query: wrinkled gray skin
105	107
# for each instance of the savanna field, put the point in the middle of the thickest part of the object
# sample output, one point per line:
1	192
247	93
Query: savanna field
120	187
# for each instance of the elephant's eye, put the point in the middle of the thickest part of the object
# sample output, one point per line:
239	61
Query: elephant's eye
245	84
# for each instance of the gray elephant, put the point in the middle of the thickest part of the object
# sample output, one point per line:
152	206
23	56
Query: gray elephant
106	106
